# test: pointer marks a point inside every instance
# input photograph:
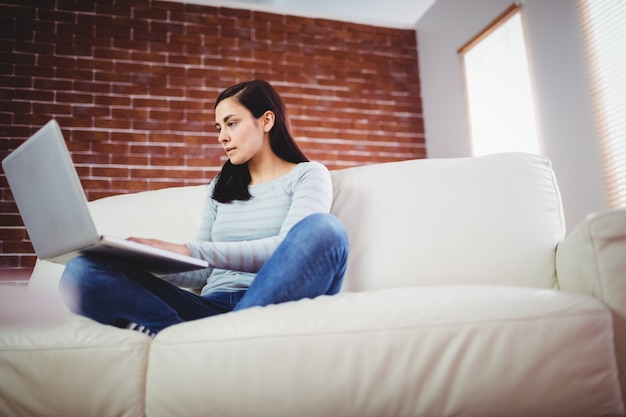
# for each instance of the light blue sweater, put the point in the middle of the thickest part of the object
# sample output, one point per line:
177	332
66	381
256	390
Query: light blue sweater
237	238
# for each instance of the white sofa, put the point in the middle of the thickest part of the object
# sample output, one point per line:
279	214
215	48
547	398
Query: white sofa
462	298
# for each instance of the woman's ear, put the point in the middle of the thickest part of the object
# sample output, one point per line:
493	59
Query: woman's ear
267	120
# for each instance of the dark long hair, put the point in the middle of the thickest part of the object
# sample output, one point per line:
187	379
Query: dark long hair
257	96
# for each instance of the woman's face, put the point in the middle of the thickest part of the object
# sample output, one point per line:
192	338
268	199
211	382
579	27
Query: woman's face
241	134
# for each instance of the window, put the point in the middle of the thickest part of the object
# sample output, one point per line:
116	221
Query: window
499	95
604	36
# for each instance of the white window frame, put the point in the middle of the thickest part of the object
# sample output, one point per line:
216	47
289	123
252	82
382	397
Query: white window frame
499	94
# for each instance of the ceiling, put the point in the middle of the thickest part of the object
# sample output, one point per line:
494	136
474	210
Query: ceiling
388	13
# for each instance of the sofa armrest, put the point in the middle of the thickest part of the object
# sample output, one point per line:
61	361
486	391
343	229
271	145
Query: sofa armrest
592	260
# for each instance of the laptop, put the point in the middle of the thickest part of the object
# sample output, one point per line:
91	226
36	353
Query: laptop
53	206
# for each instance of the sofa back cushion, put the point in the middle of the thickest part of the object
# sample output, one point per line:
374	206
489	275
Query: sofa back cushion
171	214
486	220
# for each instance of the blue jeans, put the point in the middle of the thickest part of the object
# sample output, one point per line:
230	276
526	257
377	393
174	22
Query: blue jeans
311	261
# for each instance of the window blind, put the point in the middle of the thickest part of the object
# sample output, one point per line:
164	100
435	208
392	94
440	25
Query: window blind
604	37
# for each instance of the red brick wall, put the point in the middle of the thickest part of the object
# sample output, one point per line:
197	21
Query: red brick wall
133	82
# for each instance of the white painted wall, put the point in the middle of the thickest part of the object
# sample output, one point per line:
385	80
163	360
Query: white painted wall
566	127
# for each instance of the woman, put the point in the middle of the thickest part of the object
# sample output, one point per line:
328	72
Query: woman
266	231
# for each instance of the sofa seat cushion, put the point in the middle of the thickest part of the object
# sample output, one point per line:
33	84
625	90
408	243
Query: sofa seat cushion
71	366
430	351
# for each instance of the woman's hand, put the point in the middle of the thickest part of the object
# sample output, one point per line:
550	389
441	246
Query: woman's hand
172	247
